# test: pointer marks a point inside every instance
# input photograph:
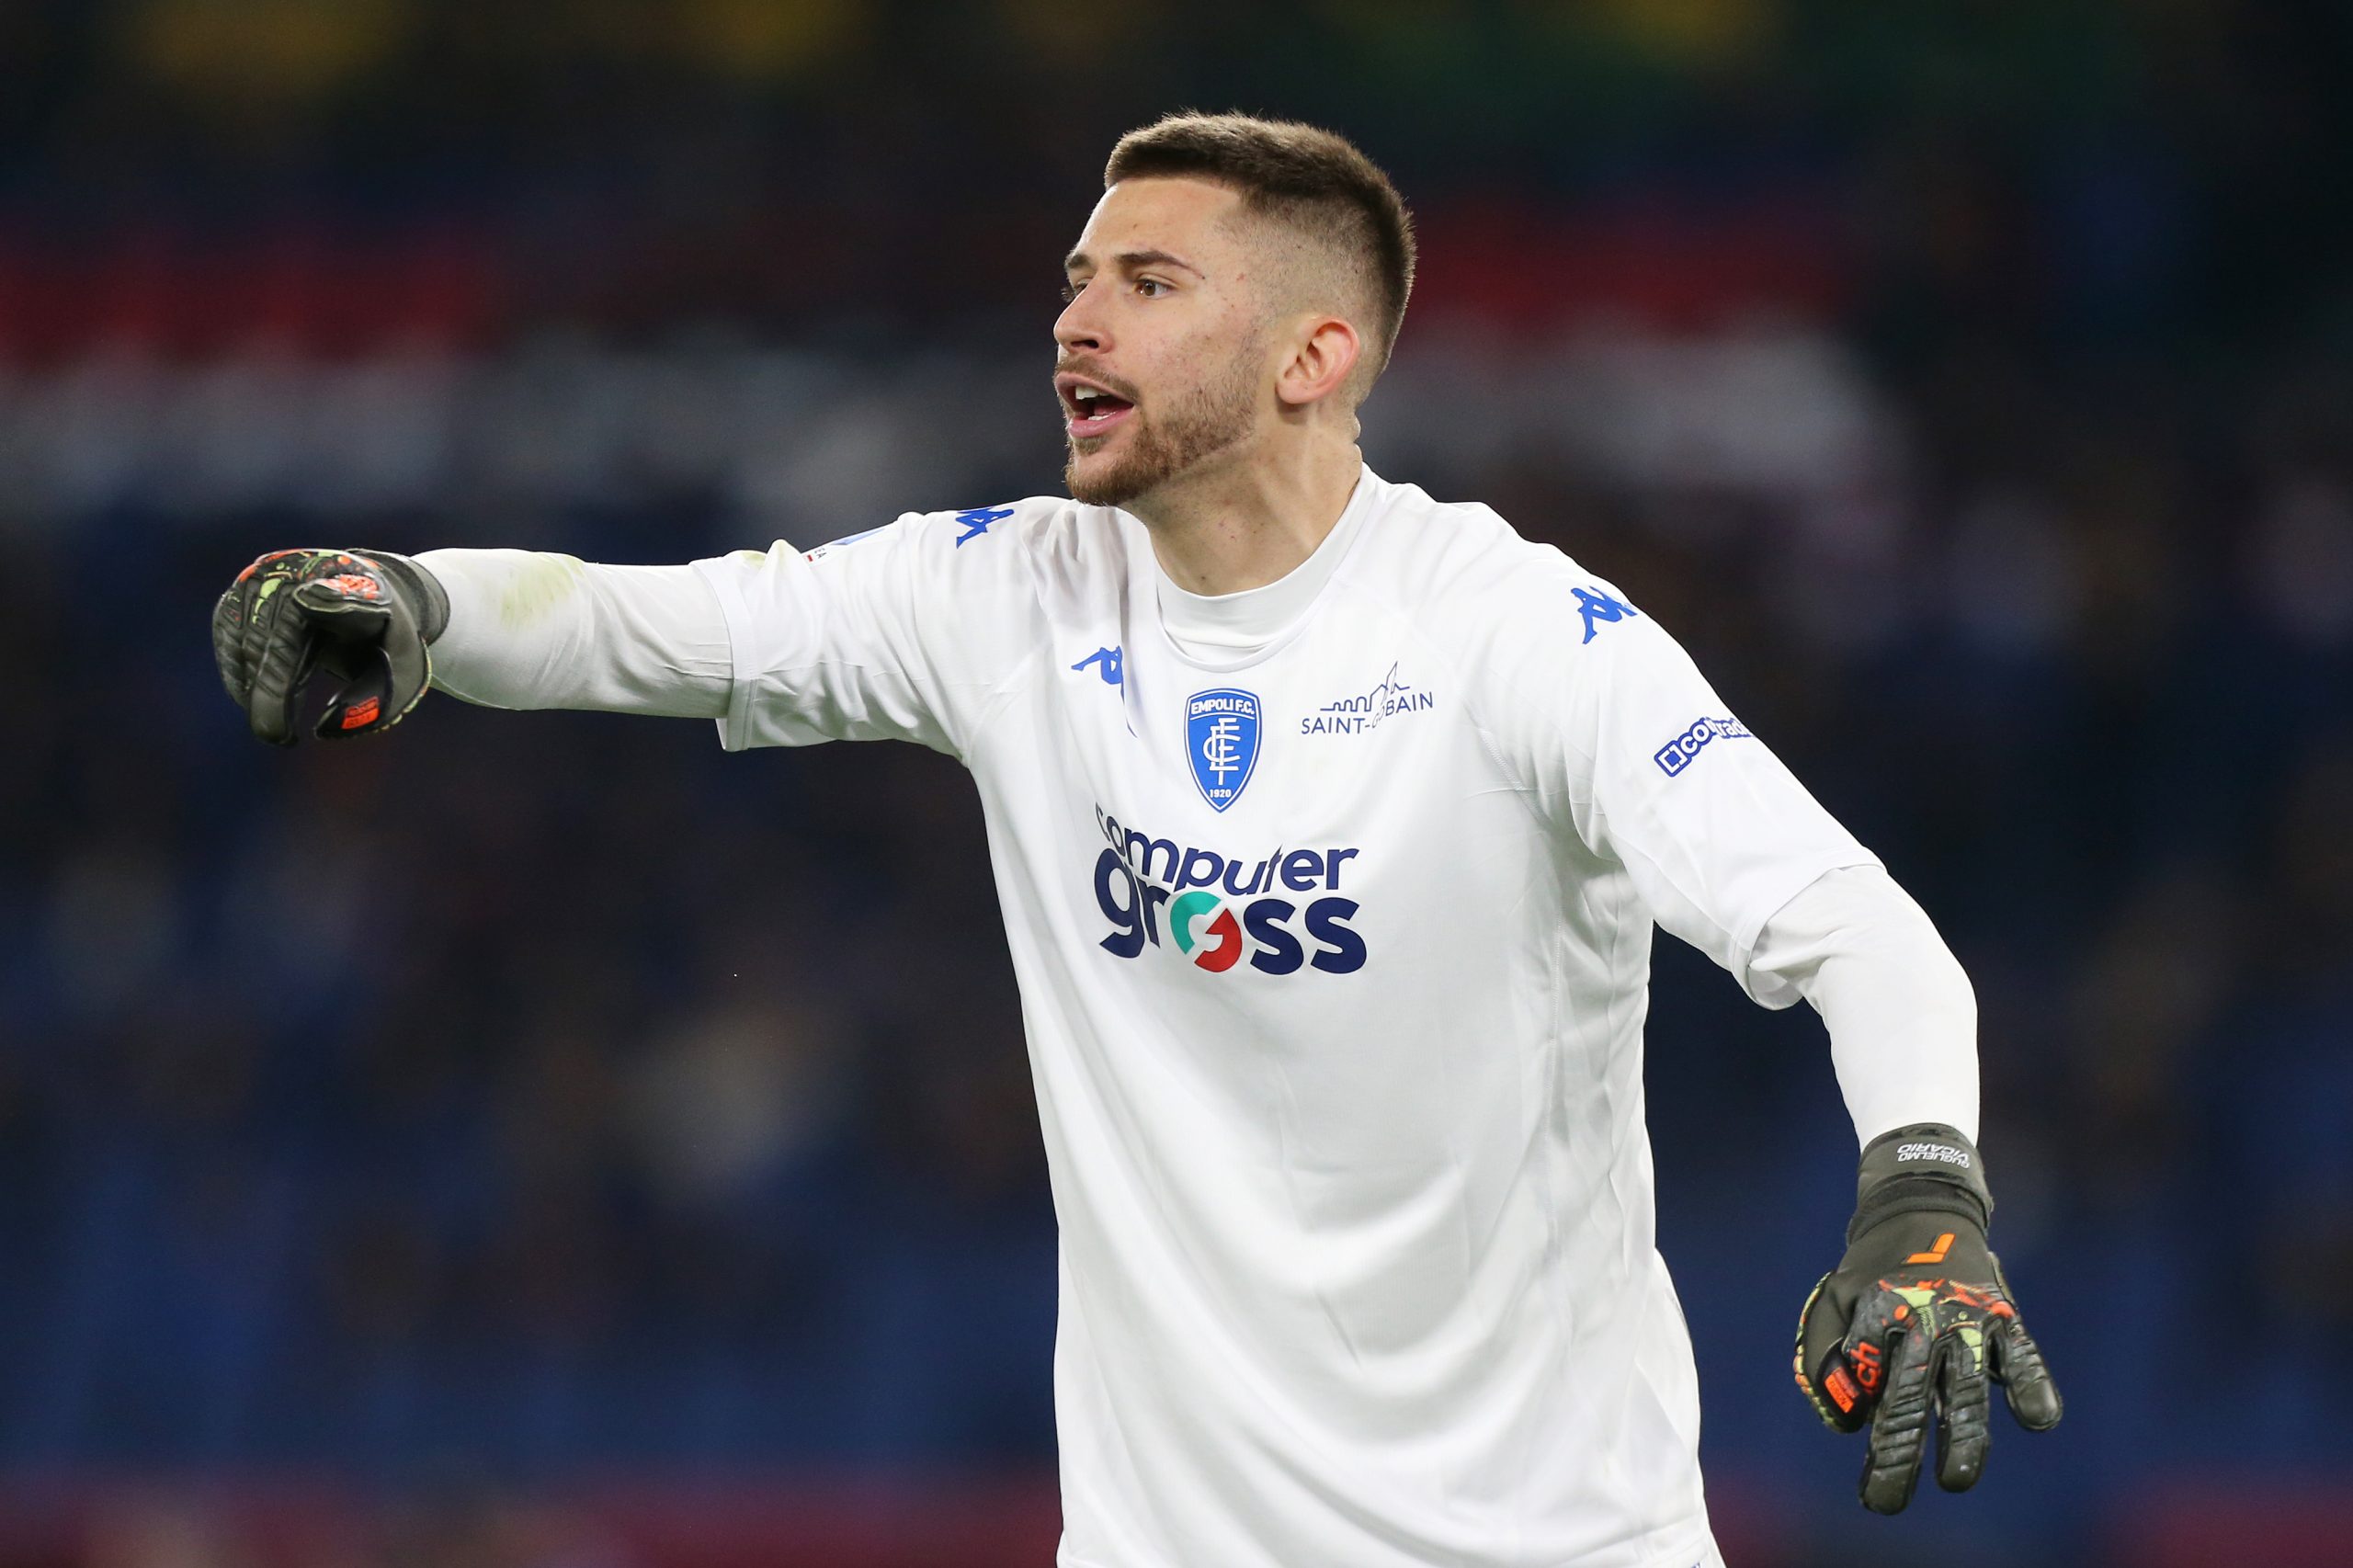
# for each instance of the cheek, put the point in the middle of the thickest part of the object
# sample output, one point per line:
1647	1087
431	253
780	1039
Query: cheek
1204	362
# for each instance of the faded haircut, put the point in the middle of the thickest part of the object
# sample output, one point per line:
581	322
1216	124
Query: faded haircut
1312	182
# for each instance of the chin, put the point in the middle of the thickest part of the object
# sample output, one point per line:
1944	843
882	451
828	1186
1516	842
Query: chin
1098	479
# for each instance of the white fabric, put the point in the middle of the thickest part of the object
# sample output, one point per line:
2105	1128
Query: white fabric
1341	1086
529	629
1903	1019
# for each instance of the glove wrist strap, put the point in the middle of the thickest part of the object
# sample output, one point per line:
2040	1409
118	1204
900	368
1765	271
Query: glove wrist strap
1926	1167
423	588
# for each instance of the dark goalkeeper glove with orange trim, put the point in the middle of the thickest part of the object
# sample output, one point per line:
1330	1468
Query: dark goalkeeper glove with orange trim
1917	1320
363	616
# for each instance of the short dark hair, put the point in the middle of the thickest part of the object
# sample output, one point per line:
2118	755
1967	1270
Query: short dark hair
1298	175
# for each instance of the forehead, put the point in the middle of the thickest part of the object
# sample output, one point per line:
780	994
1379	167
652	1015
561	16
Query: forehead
1184	217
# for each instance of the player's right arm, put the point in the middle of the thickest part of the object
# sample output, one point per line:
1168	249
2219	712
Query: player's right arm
531	629
505	627
897	633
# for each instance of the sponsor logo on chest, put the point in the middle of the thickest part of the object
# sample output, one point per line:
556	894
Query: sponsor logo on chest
1283	911
1389	697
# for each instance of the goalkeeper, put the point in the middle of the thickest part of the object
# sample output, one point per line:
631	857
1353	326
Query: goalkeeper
1331	823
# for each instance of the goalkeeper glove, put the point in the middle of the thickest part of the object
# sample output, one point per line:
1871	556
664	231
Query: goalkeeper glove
1918	1318
365	616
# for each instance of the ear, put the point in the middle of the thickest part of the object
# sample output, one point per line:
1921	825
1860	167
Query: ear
1322	356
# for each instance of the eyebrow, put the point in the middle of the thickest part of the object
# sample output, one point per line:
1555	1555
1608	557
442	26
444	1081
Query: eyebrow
1129	260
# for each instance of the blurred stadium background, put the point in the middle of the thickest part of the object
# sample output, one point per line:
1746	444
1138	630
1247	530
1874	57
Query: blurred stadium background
542	1141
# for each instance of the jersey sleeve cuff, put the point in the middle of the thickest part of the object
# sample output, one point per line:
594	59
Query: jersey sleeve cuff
1778	991
735	727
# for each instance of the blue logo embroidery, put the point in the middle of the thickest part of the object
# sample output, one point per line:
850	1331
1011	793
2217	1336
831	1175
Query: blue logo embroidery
1110	659
977	521
1595	606
1221	742
1678	754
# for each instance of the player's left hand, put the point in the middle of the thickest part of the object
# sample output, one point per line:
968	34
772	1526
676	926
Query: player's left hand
1917	1322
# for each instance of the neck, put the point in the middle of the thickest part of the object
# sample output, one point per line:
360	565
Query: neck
1242	524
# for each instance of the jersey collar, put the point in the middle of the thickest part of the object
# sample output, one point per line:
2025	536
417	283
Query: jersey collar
1220	628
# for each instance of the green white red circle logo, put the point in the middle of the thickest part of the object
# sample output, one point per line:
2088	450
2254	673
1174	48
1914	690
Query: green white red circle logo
1185	909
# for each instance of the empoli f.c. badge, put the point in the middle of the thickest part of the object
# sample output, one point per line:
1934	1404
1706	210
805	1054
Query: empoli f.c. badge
1222	730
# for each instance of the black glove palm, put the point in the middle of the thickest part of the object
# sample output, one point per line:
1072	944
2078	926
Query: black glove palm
1917	1318
364	617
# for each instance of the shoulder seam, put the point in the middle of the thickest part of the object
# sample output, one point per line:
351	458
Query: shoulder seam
999	695
1025	542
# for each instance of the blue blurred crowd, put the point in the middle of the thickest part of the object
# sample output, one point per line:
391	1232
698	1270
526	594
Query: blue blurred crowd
531	1093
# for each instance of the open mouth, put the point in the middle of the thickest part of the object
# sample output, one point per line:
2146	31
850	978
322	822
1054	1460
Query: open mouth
1092	410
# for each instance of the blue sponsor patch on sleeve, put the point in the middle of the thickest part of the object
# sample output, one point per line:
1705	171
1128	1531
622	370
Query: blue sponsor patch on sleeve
1677	754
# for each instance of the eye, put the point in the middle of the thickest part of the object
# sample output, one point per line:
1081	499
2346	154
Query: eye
1152	288
1070	291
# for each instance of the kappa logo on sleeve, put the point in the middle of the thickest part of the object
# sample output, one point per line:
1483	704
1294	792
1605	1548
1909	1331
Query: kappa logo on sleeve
978	521
1677	754
1596	606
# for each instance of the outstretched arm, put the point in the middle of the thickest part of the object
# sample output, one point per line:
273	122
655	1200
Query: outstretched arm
530	629
505	627
899	633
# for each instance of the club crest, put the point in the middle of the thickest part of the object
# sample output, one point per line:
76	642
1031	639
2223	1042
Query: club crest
1222	730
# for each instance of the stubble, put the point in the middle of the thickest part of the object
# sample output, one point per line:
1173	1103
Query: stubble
1191	428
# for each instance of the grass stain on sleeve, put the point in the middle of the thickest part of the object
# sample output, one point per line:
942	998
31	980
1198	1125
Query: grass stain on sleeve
538	588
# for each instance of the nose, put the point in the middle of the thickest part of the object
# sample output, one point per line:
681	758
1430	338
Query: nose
1079	329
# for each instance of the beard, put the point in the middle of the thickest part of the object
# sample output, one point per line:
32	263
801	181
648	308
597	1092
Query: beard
1197	424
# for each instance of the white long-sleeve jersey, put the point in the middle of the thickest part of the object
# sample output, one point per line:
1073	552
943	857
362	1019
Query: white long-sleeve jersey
1331	908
